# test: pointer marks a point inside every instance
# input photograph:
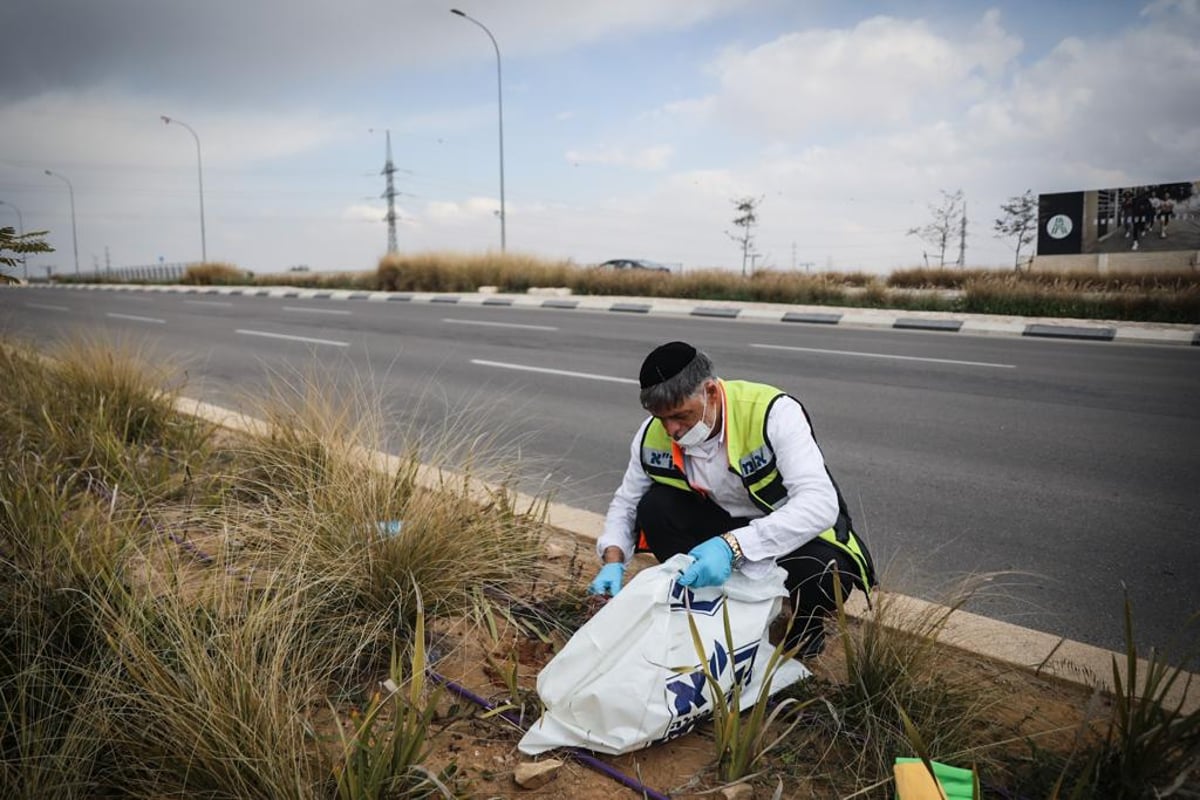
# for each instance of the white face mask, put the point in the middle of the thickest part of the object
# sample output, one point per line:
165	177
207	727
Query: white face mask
698	432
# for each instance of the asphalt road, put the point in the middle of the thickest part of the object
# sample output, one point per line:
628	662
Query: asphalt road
1067	469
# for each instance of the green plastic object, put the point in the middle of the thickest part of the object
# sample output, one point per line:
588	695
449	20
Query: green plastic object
958	783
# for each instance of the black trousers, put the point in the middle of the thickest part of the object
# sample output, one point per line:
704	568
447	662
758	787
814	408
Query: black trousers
674	521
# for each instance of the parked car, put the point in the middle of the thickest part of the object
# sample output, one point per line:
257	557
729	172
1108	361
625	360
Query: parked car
634	263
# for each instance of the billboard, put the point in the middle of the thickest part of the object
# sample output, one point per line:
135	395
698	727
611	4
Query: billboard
1152	219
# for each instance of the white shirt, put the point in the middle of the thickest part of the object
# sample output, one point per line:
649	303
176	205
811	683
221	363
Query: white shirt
811	506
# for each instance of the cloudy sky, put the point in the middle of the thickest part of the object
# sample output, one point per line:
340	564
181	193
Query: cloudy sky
629	125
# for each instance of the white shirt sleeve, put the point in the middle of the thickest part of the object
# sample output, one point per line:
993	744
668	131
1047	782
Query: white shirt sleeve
811	506
622	510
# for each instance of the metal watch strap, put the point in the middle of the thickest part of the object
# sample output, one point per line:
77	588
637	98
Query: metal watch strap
739	557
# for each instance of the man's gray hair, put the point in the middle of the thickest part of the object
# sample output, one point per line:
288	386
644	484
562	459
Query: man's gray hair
662	397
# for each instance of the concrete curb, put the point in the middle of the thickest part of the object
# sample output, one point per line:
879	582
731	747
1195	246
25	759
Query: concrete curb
931	321
995	640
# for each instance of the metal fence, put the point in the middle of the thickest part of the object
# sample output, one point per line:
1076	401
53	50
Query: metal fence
149	273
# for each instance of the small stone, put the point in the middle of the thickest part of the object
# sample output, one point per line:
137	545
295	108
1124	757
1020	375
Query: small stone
739	791
556	551
535	774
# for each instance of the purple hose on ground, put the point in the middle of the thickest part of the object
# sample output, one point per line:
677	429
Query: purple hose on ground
582	756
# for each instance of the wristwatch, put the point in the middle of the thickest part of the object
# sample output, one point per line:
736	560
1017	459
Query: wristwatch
739	557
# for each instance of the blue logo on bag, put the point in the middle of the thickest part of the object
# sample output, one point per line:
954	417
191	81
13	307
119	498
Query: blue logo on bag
689	693
686	692
684	599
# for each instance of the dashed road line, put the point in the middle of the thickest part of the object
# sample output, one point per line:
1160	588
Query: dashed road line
136	318
317	310
291	338
547	371
884	355
454	321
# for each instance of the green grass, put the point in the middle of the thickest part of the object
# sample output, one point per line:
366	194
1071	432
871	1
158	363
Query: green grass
1153	746
898	692
742	741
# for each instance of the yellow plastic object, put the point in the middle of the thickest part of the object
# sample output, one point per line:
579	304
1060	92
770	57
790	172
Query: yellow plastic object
913	781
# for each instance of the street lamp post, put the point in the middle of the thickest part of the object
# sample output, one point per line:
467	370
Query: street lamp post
200	175
20	232
500	107
74	237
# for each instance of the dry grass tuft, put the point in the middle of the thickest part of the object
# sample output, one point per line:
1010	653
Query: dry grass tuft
175	620
215	273
456	272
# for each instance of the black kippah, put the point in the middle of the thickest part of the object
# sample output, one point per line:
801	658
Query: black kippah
665	362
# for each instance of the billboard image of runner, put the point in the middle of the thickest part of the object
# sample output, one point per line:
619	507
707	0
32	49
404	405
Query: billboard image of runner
1155	218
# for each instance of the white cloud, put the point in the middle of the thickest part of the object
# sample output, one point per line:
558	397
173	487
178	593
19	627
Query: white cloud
847	133
990	47
474	208
693	109
1135	114
106	125
208	49
882	72
446	121
1187	9
655	157
364	213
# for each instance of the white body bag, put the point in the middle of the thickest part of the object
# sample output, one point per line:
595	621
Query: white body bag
631	676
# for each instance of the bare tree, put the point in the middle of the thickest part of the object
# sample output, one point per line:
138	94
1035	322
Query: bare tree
945	223
746	219
1019	221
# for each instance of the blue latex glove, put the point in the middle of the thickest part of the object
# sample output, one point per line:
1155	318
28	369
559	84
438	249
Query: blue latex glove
608	579
713	564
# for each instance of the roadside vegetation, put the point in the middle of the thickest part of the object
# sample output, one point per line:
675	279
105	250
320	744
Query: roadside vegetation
15	248
215	273
1169	297
186	611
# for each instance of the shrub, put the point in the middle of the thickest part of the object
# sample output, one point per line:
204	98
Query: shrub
1063	298
215	274
451	272
1153	745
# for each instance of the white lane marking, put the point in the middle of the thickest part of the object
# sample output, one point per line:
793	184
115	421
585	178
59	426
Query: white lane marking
315	310
136	318
308	339
586	375
884	355
498	324
208	302
47	307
